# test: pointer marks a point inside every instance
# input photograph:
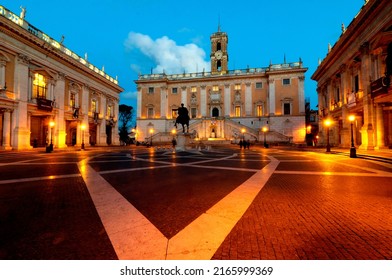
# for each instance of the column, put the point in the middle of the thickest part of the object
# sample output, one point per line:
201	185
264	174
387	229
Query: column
203	101
85	108
2	73
21	133
345	134
248	99
101	129
7	130
164	108
301	95
59	95
139	103
367	129
183	96
380	133
271	95
227	100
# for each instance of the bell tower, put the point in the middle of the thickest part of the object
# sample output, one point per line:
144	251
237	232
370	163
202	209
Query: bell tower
219	56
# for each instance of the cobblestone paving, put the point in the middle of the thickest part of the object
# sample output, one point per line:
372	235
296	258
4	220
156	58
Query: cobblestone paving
223	203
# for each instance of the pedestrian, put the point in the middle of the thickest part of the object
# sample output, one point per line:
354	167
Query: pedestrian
248	144
241	144
174	143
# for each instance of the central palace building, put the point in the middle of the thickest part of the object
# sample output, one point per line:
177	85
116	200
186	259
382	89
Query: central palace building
225	105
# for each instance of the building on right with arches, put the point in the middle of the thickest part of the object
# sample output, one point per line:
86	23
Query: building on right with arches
354	80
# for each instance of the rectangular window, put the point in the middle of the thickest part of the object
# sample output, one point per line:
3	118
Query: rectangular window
259	85
150	113
238	111
286	82
39	86
174	90
150	90
109	112
193	112
93	106
193	89
286	109
259	110
237	87
356	83
72	100
215	88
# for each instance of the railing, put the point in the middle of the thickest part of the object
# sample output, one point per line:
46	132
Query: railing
39	34
247	71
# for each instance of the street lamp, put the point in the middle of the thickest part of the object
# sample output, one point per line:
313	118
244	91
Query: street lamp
49	148
51	124
83	127
328	123
243	133
353	152
265	129
151	132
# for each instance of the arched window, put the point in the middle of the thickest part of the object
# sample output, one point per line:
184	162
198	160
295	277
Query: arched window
215	112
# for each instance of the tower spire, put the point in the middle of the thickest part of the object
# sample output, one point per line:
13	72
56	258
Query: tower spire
219	23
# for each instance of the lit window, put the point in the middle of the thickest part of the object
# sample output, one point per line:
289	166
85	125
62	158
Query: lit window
193	89
215	88
237	87
39	86
109	112
94	106
238	111
259	110
72	100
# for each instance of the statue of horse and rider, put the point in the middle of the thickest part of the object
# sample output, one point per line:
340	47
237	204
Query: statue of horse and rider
182	118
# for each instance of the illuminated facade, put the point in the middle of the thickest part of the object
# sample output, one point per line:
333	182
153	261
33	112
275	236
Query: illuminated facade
43	82
223	104
354	79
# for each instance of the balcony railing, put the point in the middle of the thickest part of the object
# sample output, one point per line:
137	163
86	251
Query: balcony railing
380	86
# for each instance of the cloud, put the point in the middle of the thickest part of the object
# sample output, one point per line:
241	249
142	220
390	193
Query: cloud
167	55
131	95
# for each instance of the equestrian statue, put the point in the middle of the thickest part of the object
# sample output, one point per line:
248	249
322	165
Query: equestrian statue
183	118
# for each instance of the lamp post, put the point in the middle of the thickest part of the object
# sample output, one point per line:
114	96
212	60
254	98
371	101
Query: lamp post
243	133
265	129
353	152
49	148
328	123
83	127
151	132
51	124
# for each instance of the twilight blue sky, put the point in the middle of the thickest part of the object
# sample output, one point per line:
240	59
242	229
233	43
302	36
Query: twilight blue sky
128	37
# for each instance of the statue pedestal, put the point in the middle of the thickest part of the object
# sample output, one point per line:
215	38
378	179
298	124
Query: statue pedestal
183	140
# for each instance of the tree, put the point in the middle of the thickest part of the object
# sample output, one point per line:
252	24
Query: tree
125	117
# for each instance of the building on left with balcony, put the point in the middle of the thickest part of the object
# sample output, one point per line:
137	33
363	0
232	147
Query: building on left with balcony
49	93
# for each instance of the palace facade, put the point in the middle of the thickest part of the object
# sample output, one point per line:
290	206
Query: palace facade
355	79
225	105
50	94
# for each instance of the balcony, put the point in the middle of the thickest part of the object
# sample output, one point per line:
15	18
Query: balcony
380	86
